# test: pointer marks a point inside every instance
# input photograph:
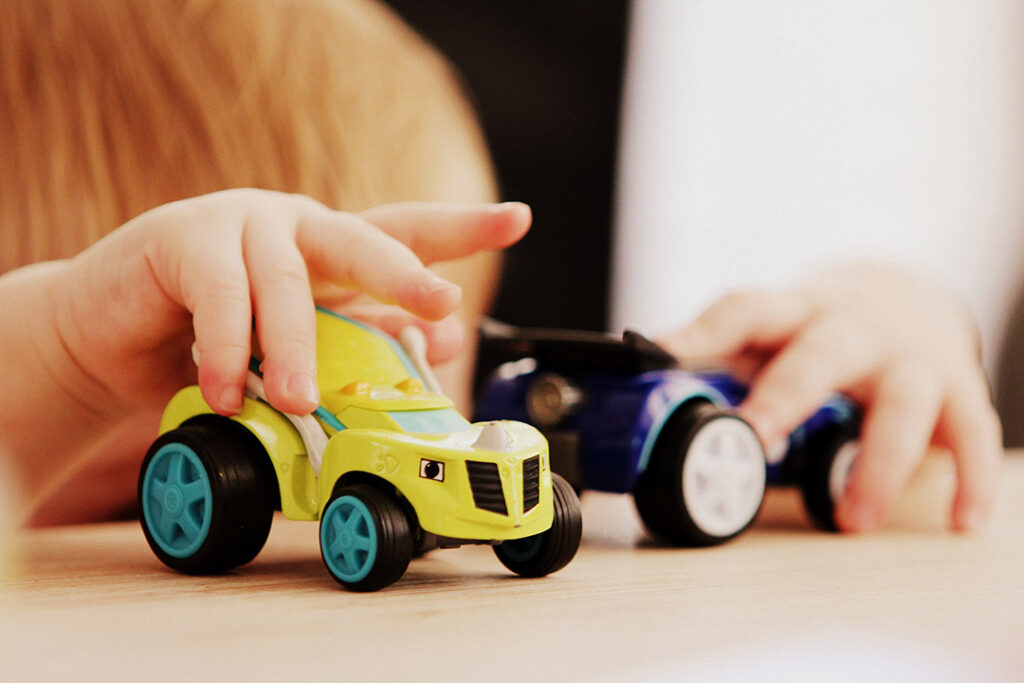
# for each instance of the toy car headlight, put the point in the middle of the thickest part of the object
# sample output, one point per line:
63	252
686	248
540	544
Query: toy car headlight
432	469
551	398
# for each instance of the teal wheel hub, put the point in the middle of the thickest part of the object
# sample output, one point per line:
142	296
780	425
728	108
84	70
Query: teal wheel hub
348	538
177	500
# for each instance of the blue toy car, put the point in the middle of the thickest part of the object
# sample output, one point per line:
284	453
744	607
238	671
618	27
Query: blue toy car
620	416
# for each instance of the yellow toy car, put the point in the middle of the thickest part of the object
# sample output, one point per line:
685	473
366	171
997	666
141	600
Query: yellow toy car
385	463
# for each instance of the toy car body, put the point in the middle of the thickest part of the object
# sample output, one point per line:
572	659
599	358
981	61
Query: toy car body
387	466
621	417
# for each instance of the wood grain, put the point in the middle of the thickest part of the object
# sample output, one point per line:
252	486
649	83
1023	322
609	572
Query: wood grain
783	601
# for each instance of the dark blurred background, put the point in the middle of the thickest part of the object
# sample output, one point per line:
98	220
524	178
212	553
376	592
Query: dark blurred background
546	79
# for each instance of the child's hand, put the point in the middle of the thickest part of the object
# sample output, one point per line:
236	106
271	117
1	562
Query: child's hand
95	346
901	346
126	308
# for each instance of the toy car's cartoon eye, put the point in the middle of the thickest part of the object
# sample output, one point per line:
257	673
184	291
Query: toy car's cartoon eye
432	469
551	398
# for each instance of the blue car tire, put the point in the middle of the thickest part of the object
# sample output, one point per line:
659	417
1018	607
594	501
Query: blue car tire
827	460
706	478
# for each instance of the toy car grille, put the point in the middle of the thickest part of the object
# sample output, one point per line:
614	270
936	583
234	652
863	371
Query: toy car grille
531	483
486	484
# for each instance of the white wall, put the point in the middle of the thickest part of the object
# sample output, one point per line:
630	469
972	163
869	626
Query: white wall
763	139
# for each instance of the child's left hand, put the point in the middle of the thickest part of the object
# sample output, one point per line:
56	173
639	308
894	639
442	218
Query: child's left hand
900	345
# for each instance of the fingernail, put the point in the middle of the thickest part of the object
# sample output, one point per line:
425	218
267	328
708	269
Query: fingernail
775	451
302	386
971	519
765	428
230	399
858	517
436	283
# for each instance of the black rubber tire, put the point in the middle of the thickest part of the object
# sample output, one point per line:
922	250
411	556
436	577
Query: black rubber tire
820	456
394	534
243	491
658	494
550	550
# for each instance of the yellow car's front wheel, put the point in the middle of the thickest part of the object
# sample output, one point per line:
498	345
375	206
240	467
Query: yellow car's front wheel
366	539
549	551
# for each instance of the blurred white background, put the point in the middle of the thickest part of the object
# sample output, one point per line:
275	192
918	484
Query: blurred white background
764	140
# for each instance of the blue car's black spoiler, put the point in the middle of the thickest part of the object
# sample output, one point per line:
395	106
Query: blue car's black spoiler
575	350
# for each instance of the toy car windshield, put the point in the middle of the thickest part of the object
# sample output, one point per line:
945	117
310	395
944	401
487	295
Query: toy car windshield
361	366
436	421
349	351
573	350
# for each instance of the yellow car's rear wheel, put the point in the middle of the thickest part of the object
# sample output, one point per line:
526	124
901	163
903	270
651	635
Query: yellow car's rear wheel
206	497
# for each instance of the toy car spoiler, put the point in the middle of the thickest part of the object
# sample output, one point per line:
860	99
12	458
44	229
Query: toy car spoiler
574	349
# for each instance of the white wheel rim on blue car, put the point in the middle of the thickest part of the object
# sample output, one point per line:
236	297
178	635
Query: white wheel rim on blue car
177	501
348	538
724	476
841	466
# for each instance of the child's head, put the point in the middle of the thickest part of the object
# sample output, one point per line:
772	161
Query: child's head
111	107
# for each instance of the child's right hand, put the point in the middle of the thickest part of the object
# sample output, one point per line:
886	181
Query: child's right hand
94	346
126	308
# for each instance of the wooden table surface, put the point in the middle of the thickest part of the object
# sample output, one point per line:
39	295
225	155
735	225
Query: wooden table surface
782	602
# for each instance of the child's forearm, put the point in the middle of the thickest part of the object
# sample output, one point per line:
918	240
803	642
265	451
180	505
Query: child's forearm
44	425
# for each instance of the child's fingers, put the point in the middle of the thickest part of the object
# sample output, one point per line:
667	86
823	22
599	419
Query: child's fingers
829	355
975	435
737	321
440	232
283	311
347	250
445	337
397	276
897	431
215	289
258	244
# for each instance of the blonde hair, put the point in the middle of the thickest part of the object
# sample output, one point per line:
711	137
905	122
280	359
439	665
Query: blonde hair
111	107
